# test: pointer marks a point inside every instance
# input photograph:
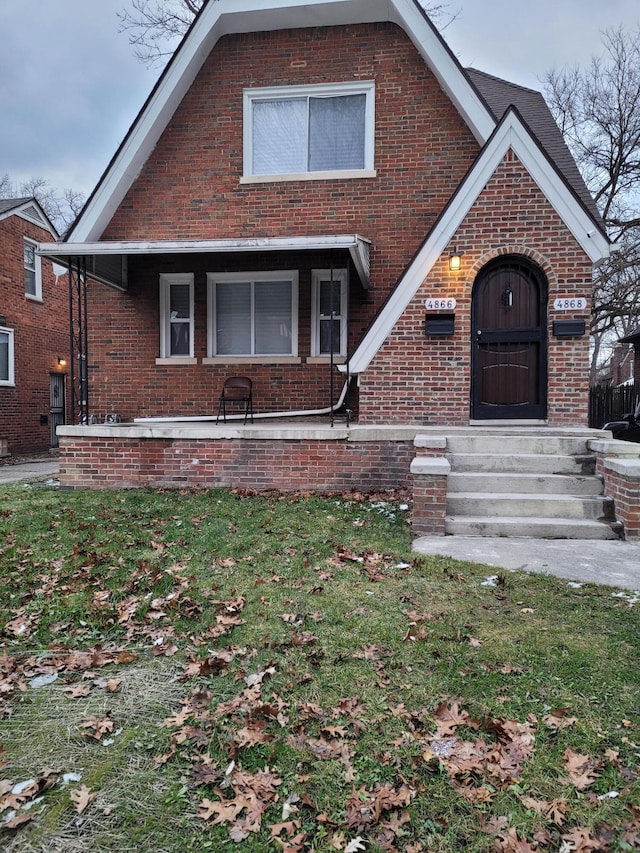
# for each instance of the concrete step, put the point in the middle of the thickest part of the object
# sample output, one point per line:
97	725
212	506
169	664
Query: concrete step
538	528
560	484
551	506
566	445
532	463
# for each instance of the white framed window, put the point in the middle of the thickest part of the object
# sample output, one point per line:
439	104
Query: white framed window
253	314
32	271
309	130
7	376
329	299
176	315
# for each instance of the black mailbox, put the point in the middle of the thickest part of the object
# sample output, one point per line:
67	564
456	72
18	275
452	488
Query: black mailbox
569	328
439	325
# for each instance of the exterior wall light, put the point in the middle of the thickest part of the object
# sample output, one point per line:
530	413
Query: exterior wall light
61	361
455	261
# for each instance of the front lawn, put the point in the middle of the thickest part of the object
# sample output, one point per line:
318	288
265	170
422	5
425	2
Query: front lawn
214	670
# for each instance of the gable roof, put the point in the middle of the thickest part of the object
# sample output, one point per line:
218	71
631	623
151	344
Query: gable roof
633	337
218	18
27	208
501	94
511	134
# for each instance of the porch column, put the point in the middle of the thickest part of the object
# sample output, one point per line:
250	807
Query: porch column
430	477
78	340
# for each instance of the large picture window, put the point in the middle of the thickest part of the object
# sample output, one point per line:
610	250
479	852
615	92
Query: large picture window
6	357
253	314
176	316
329	295
32	271
305	130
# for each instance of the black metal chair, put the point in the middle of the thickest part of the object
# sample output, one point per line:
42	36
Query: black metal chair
236	390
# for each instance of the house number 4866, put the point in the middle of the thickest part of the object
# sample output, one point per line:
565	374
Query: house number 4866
443	303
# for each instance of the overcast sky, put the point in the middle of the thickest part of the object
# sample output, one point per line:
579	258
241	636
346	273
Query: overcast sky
70	86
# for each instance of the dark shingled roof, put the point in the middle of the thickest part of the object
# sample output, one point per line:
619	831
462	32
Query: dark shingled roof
500	94
9	203
632	338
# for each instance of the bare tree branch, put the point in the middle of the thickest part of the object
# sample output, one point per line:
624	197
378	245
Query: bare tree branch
598	112
155	26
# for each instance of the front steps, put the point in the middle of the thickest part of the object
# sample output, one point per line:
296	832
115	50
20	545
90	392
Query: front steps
531	483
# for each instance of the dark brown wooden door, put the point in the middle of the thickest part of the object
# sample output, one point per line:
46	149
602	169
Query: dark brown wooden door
509	346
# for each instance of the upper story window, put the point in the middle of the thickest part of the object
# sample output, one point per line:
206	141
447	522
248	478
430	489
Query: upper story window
329	295
310	131
32	271
176	315
253	314
6	357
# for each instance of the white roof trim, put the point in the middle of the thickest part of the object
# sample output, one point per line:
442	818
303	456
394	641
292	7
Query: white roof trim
235	16
358	246
510	134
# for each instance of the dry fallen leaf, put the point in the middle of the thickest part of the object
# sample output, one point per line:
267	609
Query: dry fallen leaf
77	691
81	798
581	768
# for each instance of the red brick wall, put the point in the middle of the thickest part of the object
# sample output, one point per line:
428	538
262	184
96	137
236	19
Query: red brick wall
287	465
625	491
40	336
190	189
415	379
124	342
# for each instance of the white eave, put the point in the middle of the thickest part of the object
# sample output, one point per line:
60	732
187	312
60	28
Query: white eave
358	247
224	17
512	134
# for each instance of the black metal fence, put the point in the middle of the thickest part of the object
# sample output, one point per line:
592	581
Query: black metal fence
608	403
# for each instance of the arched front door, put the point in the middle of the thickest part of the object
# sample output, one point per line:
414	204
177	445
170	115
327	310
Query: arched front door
509	341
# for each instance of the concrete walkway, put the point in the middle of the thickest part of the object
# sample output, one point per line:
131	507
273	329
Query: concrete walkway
610	562
29	470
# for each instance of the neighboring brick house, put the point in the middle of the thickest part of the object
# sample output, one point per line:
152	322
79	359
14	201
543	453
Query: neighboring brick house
34	332
308	176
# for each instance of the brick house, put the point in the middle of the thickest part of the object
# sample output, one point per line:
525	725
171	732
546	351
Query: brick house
34	336
318	196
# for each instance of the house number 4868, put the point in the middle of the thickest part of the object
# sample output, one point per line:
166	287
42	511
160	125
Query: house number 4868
564	303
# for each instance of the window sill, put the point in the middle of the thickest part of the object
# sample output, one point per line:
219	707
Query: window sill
33	297
338	175
4	384
252	359
326	359
176	361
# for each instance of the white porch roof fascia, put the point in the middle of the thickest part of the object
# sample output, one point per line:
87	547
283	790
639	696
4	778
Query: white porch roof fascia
224	17
512	134
358	247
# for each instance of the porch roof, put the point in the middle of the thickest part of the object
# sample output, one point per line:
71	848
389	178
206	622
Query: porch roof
106	260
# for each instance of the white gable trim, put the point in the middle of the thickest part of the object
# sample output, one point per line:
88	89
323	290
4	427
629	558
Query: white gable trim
31	211
510	134
222	17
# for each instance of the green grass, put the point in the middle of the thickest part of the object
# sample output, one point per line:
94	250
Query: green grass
291	655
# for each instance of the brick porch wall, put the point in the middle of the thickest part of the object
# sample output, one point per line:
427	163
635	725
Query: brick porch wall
618	463
334	465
